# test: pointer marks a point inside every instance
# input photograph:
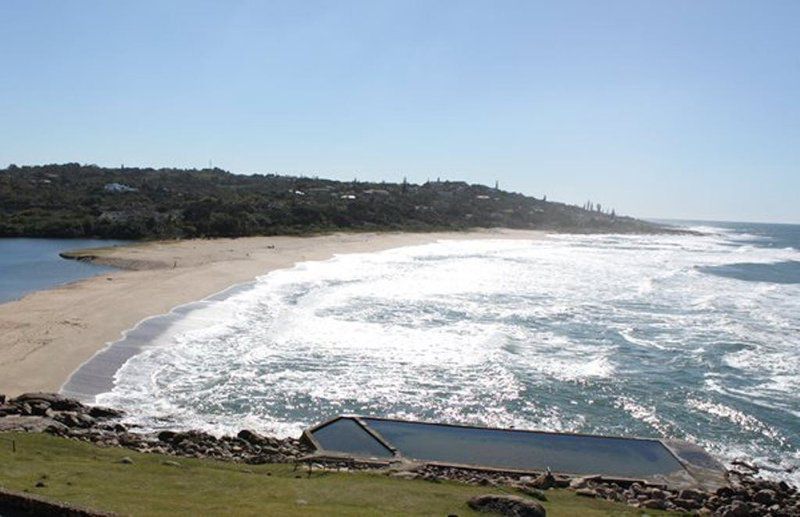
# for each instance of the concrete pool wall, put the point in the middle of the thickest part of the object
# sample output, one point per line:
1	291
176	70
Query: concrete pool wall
672	463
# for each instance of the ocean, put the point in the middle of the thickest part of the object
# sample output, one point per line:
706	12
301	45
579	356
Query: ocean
682	336
28	265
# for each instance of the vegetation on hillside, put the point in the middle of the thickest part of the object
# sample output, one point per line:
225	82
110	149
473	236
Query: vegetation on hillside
73	200
154	484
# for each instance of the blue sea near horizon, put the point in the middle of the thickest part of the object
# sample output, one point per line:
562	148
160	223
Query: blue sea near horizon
764	235
28	264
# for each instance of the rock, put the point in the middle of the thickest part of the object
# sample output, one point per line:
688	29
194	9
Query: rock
583	482
562	482
39	408
104	412
507	505
167	436
40	484
251	437
261	460
655	504
8	409
765	497
688	493
68	418
713	502
745	465
724	492
2	399
657	493
586	492
31	424
129	439
126	461
543	482
735	509
404	475
532	492
687	504
85	420
56	401
171	463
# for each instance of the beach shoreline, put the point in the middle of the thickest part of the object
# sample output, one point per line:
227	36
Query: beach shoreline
47	335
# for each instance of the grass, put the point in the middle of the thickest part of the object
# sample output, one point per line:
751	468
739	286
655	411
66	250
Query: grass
87	475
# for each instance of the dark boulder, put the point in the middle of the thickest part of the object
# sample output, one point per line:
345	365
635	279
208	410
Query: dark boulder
8	409
510	505
735	509
167	436
765	497
252	437
54	400
104	412
655	504
688	493
687	504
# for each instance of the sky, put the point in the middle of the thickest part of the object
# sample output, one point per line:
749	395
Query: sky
671	109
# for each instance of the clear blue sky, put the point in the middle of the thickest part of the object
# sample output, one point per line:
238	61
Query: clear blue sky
684	109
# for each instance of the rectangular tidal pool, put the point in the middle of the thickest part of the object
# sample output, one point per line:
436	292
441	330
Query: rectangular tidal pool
509	449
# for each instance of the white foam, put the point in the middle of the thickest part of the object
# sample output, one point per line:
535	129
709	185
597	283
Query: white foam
572	332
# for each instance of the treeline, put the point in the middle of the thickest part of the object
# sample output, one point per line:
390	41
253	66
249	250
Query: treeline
73	200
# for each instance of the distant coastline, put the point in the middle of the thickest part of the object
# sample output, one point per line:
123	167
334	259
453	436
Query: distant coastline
73	200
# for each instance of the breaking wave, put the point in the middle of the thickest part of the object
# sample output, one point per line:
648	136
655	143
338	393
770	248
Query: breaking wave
625	335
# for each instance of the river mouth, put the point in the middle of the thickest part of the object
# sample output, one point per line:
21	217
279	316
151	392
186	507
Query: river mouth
31	264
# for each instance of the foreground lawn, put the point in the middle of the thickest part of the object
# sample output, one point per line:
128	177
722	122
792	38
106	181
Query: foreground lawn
87	475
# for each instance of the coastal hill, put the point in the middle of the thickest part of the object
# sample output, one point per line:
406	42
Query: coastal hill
73	200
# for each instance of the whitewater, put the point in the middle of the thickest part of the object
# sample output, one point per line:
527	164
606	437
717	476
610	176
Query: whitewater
681	336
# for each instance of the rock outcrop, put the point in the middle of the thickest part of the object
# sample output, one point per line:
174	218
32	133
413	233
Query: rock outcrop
747	495
62	416
511	505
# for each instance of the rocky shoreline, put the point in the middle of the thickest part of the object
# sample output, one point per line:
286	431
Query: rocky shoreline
747	494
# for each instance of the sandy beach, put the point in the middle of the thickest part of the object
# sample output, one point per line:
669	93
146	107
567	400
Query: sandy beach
47	335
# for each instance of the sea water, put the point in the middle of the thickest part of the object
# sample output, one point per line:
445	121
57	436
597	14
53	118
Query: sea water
28	265
694	337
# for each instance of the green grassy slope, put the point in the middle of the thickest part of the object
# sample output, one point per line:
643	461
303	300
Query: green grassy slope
91	476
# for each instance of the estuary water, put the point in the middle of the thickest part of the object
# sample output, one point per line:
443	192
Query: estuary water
28	265
684	336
